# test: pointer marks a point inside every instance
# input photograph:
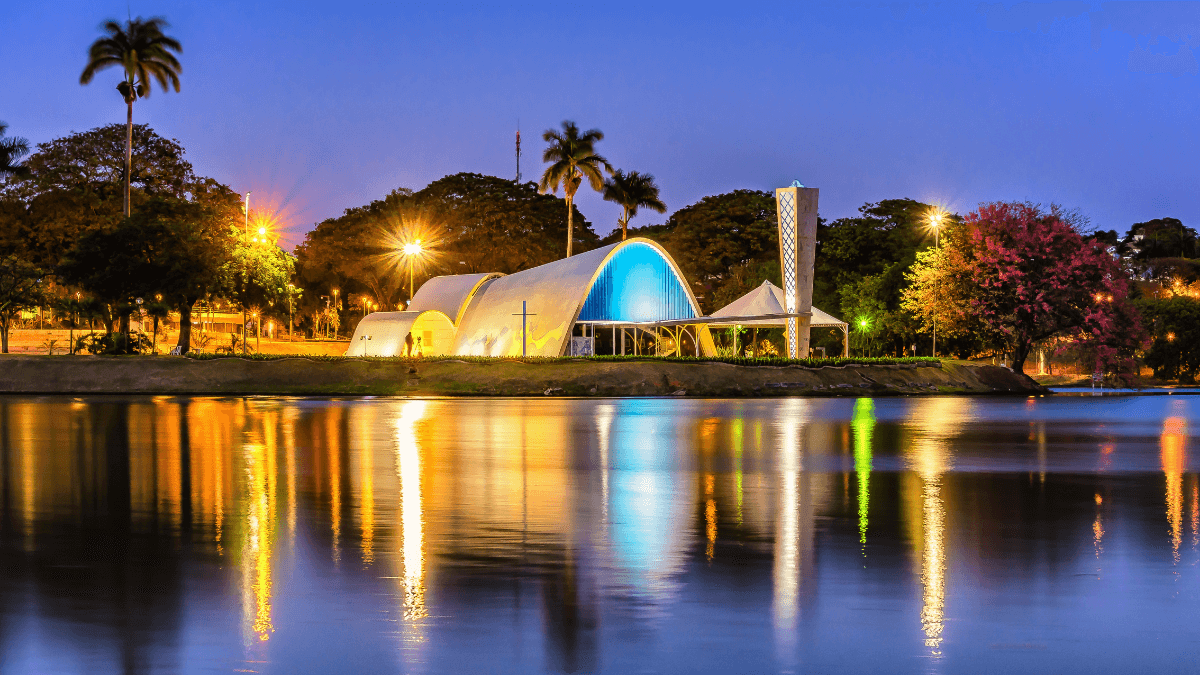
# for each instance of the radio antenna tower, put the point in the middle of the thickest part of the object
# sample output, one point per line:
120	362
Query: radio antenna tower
518	151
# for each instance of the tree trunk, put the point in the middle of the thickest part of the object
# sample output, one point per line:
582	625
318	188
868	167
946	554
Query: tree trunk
128	151
3	337
124	327
185	326
570	223
1020	353
624	223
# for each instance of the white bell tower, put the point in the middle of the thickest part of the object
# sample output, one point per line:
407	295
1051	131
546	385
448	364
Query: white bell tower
797	209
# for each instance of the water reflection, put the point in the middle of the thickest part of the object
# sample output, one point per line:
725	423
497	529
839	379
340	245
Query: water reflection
793	538
934	422
1174	460
273	535
864	425
408	468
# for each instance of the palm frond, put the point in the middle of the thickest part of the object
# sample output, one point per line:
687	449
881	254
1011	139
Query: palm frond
141	49
633	190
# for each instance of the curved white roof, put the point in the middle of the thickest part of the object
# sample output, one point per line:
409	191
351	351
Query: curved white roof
384	333
381	334
449	294
767	301
553	294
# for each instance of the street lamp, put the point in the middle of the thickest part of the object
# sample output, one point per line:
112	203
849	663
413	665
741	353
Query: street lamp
257	329
291	289
245	271
936	217
335	311
411	251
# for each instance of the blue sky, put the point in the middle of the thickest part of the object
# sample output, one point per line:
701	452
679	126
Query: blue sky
317	107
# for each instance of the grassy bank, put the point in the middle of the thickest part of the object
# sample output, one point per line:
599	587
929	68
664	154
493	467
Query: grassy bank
597	376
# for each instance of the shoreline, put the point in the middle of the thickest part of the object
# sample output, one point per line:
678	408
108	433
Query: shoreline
301	376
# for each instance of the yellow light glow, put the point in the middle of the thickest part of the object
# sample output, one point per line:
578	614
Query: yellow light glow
257	549
934	424
1174	461
413	248
710	516
408	467
937	217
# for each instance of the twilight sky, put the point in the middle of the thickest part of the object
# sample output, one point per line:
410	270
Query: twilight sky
320	106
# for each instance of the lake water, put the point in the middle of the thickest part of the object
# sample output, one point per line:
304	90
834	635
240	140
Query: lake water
921	535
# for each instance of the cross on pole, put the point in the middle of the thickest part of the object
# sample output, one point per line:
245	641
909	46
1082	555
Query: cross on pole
524	318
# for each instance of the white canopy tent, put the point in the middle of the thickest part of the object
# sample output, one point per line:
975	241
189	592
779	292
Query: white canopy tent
765	307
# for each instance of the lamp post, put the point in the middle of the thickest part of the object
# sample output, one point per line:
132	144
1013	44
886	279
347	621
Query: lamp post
411	251
245	270
291	289
335	312
935	221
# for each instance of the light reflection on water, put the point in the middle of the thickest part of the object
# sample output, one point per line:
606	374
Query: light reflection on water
376	535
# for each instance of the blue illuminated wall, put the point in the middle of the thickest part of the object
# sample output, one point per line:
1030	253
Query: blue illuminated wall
637	284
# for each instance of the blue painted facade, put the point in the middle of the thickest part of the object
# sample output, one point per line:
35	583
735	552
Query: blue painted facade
637	284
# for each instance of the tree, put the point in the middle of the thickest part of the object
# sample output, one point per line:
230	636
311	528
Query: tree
142	51
875	299
468	222
12	149
21	289
258	272
112	265
193	244
632	190
1174	325
1017	275
495	224
74	184
860	264
572	158
181	249
158	311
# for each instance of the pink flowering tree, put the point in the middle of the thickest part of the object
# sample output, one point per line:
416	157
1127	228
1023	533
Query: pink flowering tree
1015	275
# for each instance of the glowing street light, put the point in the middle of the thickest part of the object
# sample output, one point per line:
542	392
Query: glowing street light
411	251
291	290
936	218
335	311
245	271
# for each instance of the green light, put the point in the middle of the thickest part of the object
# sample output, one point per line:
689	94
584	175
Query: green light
863	424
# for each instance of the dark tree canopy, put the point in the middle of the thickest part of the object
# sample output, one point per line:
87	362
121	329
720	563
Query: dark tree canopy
860	268
74	185
1174	327
468	222
724	245
95	161
498	225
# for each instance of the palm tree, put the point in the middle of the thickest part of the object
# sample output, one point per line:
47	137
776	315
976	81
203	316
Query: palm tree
142	51
12	149
572	158
632	191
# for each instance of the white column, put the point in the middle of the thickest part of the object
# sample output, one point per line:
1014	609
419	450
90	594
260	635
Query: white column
797	210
